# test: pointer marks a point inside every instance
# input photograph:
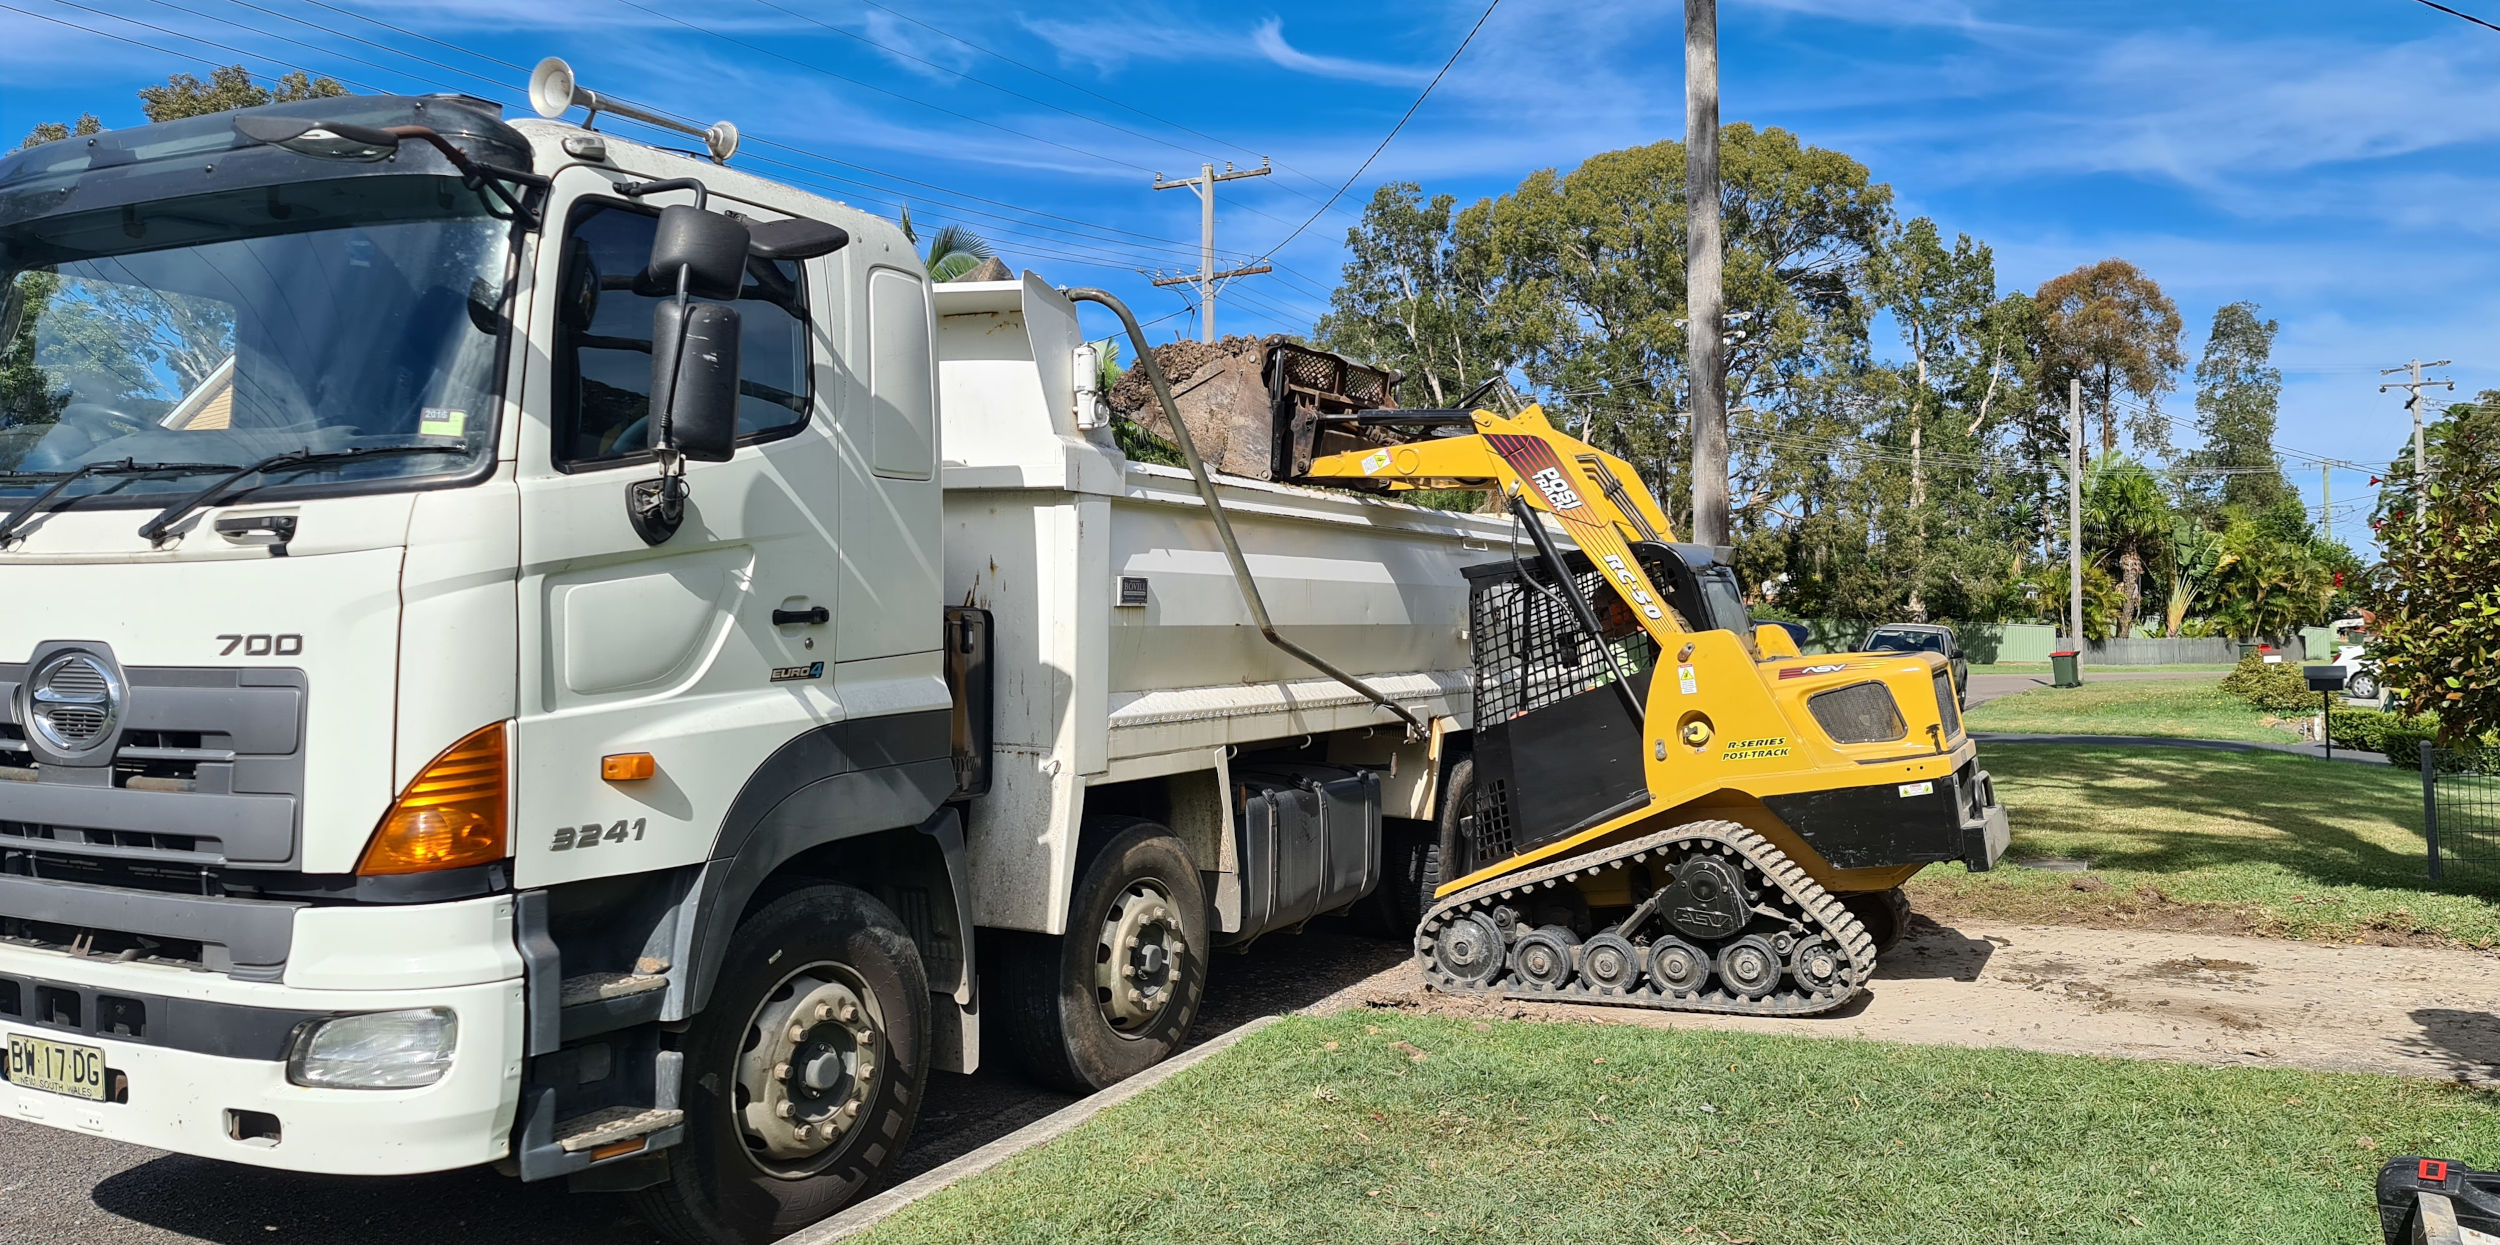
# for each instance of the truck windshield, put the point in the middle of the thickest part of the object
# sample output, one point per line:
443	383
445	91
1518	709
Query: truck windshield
226	328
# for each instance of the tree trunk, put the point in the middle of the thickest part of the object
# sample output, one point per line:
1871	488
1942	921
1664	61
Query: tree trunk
2131	589
2109	411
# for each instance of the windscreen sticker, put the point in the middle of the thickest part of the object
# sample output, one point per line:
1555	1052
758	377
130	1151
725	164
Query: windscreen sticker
438	421
1755	749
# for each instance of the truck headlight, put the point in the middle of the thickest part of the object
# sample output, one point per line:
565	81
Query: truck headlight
376	1050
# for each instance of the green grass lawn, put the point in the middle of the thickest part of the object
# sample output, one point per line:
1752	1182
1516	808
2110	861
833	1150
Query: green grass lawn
1388	1127
2193	708
2264	843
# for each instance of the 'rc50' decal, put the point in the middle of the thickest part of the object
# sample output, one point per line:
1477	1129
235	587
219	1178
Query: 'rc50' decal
585	837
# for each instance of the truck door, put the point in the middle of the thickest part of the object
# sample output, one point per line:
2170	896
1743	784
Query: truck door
672	650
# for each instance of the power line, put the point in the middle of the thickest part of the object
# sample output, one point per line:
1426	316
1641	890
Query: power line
163	30
102	34
919	60
1393	130
869	86
1041	73
2453	13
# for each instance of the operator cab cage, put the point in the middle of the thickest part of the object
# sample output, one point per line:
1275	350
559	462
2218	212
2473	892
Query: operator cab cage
1542	701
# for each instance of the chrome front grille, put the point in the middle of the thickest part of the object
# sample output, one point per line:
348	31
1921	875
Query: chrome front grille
189	768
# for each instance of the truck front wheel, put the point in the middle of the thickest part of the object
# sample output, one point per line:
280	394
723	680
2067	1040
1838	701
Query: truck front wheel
803	1073
1117	992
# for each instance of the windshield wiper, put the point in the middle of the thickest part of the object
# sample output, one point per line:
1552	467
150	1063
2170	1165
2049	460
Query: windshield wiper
154	529
44	500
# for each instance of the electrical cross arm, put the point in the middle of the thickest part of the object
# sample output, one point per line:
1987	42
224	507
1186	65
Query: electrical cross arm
1596	496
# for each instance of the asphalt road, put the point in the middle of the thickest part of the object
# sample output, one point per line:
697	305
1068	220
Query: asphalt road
61	1188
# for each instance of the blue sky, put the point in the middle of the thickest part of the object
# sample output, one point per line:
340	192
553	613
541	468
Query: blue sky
2333	161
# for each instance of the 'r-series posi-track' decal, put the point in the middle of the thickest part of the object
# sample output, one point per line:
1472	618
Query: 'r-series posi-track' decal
1763	749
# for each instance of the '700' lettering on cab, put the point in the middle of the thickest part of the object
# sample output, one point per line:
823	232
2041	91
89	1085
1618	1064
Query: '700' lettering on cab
583	838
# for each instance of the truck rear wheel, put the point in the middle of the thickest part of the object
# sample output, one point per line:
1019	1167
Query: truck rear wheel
803	1073
1116	993
1420	855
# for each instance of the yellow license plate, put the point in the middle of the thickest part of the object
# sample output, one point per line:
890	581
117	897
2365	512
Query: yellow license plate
57	1067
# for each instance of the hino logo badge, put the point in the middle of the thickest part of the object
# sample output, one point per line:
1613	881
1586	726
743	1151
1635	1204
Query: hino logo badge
790	674
73	700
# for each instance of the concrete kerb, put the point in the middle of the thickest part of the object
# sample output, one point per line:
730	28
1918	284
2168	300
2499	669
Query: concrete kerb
867	1214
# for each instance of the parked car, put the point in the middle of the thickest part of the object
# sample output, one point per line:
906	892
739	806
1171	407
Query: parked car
2352	639
1924	638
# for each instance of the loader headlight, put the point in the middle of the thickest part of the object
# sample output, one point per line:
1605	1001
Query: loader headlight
408	1049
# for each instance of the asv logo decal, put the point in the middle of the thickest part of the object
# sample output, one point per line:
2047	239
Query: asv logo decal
1556	489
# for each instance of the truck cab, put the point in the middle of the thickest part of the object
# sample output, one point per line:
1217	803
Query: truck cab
359	753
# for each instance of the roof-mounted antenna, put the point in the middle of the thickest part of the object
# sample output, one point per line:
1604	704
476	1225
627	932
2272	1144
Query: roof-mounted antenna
552	90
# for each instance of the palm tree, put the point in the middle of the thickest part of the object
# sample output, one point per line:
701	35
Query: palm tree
950	252
2126	514
2193	553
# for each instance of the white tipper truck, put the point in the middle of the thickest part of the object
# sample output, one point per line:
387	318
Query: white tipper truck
421	748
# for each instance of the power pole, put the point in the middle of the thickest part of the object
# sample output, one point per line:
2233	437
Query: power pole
1705	306
1207	276
2413	402
2074	512
2326	503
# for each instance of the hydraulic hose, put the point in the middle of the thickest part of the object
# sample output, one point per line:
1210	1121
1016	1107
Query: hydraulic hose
1223	526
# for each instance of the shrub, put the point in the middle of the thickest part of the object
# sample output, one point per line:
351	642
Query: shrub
2398	736
2277	687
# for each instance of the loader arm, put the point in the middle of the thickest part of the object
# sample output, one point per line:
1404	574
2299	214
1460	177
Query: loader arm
1597	497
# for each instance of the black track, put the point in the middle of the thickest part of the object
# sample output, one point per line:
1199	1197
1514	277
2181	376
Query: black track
1796	904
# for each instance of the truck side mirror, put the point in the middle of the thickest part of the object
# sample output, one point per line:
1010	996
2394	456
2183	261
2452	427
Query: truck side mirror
694	378
699	253
694	346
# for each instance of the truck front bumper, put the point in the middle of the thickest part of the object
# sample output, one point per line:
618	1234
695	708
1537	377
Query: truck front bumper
197	1060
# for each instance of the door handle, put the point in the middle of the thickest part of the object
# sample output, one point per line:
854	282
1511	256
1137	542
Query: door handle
812	616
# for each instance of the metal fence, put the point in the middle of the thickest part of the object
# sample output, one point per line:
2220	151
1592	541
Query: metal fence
2202	650
2461	809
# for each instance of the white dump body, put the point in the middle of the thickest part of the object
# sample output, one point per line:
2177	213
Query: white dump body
1045	519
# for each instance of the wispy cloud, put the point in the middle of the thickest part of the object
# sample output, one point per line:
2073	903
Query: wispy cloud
1269	39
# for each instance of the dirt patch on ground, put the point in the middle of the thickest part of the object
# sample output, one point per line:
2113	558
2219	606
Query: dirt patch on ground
2138	993
2143	908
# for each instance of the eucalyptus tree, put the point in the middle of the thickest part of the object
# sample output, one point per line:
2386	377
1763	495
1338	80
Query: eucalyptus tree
2237	389
1418	296
2111	326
